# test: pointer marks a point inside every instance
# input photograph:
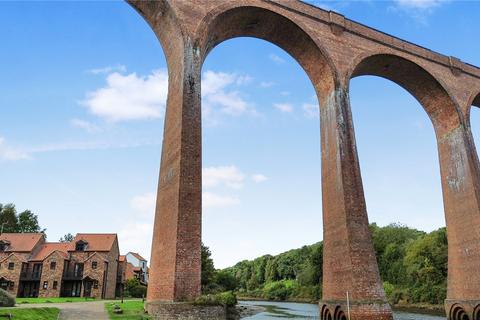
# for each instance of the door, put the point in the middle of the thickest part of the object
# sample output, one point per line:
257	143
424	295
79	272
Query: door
87	290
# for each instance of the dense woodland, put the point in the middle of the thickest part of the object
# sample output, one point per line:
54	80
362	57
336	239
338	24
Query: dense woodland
412	263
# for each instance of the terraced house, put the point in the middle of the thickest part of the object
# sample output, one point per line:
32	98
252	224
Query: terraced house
85	267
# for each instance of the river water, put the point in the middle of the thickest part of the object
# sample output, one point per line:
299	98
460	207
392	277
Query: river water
289	310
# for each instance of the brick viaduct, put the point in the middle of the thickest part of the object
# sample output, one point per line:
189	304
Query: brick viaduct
332	50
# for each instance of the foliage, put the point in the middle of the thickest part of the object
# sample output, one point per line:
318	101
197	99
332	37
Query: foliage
227	299
208	269
412	264
32	313
132	310
67	238
133	288
6	299
22	222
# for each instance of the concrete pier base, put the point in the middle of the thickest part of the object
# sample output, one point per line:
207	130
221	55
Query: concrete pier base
462	309
359	310
161	310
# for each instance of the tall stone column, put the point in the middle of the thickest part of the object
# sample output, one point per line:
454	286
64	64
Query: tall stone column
461	196
349	262
175	267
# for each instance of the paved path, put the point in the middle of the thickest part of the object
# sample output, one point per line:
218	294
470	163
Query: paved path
94	310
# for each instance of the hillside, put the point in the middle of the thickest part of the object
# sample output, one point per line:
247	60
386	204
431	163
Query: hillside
412	263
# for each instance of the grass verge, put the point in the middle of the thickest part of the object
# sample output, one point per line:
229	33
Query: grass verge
32	313
52	300
132	310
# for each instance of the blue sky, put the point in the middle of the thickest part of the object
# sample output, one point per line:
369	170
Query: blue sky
75	151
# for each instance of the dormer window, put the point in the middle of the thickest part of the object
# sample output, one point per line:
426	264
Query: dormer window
81	245
4	245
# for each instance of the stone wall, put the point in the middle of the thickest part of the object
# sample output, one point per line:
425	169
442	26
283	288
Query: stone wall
185	311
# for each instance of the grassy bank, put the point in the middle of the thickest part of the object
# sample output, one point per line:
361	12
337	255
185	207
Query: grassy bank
424	308
52	300
32	313
132	310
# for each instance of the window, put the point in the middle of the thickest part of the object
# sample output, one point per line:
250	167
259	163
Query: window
94	264
45	284
11	265
3	245
53	265
11	284
55	283
81	246
95	284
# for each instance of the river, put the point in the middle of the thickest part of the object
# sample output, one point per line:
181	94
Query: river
290	310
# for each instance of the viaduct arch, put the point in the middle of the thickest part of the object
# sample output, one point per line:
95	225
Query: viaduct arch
331	49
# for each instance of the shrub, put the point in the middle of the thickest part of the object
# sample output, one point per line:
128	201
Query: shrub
6	299
279	290
227	299
139	291
133	288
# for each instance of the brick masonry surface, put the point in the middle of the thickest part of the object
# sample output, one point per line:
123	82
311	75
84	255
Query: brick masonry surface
186	311
50	276
332	50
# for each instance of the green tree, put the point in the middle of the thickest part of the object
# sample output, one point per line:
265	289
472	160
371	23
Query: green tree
426	263
12	222
67	238
8	218
28	222
208	268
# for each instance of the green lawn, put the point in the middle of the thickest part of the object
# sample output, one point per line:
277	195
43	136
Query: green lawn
52	300
32	313
132	310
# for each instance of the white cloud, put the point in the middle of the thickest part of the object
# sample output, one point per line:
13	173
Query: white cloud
130	97
275	58
144	204
285	93
88	145
229	176
310	110
108	69
85	125
213	200
258	178
135	97
219	96
267	84
9	153
137	237
419	10
419	4
284	107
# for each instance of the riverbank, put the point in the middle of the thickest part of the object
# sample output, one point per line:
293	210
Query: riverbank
296	300
421	308
244	311
430	309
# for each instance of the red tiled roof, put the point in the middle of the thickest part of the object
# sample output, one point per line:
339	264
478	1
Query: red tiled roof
19	257
95	241
48	248
136	255
121	258
21	242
